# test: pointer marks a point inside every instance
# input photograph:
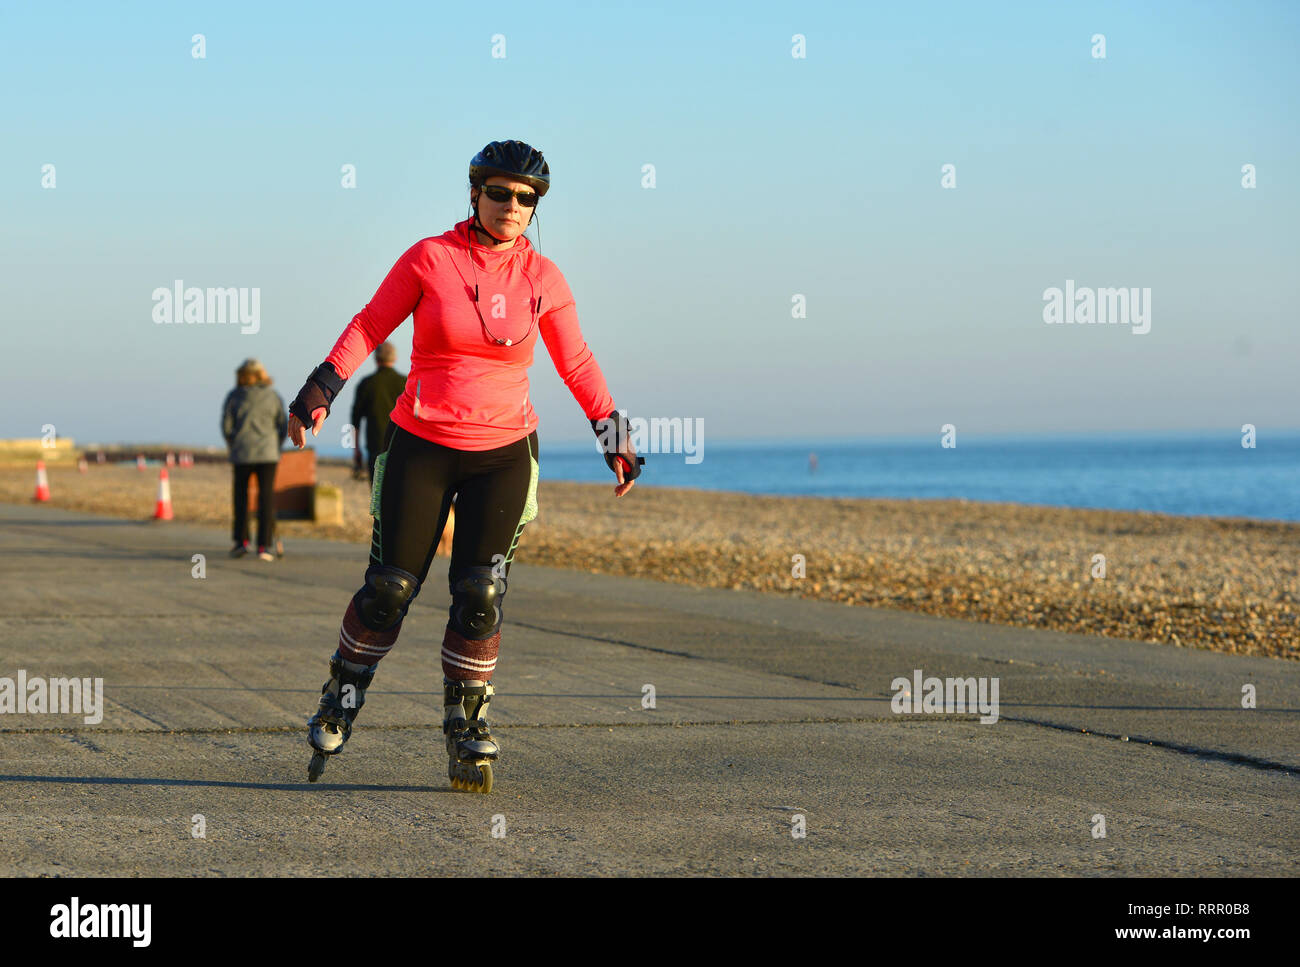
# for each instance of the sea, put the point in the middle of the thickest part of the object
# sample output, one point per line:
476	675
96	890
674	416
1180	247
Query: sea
1197	474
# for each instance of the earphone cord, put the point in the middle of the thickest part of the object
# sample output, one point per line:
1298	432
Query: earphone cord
534	301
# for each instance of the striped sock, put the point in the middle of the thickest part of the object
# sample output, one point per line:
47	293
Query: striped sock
359	644
469	659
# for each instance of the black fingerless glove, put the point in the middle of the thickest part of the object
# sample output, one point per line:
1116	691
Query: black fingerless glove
320	389
616	442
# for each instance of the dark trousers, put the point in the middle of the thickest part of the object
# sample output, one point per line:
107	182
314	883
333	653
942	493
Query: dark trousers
494	500
375	450
265	502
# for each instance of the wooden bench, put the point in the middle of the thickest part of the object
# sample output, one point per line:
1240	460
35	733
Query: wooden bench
295	483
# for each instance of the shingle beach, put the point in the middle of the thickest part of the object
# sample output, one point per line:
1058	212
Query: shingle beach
1228	585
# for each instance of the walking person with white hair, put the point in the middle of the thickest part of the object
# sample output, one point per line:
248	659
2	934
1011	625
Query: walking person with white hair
254	424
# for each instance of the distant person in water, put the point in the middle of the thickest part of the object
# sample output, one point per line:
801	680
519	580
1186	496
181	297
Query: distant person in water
812	463
254	423
375	398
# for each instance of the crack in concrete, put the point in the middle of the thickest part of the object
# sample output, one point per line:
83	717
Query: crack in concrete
1236	758
1233	758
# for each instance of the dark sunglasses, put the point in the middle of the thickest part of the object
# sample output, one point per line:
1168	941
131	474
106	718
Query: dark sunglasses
526	198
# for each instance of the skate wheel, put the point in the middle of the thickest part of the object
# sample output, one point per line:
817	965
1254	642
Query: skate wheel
469	777
317	767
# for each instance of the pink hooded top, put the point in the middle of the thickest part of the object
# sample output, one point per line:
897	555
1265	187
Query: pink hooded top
466	390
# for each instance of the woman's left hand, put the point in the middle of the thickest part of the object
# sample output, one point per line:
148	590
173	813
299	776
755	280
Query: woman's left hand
623	487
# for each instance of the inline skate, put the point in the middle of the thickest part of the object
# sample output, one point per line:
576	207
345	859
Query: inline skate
470	747
341	698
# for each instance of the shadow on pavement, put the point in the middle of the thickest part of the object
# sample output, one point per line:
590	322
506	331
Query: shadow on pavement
225	784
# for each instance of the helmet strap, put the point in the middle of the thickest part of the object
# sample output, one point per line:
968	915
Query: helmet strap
483	228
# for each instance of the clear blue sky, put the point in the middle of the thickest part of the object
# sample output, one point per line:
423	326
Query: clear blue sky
775	176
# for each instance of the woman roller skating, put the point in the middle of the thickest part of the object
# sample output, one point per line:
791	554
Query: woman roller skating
464	428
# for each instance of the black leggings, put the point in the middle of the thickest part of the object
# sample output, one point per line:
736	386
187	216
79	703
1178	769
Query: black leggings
265	502
415	480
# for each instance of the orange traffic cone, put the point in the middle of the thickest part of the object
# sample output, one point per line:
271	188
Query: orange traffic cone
82	465
163	509
42	482
139	461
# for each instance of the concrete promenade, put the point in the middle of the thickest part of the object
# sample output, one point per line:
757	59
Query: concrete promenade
772	716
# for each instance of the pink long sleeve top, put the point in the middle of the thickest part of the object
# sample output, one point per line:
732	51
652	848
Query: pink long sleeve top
466	389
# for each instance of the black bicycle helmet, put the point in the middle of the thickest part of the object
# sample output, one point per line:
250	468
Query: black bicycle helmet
511	159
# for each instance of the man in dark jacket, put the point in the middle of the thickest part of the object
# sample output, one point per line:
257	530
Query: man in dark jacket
376	396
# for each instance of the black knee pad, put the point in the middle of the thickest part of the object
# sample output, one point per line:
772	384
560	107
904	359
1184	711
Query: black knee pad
476	603
389	591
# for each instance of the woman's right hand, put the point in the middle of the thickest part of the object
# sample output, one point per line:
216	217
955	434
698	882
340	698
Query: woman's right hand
314	398
296	428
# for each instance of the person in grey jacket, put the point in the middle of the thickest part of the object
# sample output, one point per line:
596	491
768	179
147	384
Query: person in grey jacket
254	423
